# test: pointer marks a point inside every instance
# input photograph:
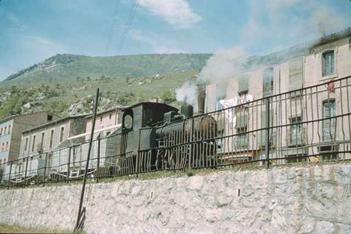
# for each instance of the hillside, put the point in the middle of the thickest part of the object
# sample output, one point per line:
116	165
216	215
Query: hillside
66	67
65	84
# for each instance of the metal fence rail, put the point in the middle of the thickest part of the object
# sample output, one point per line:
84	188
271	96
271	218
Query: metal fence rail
305	125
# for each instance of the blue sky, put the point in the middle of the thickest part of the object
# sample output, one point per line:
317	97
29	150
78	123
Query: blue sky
33	30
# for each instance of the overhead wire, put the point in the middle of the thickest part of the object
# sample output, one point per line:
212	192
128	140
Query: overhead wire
112	29
125	29
127	26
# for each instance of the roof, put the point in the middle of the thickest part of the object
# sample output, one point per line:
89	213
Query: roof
54	122
106	111
71	142
151	103
17	116
333	37
295	51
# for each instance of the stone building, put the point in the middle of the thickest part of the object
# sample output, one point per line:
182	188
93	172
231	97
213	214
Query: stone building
106	122
38	144
72	153
299	119
11	130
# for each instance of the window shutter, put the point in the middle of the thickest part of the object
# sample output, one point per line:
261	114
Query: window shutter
296	74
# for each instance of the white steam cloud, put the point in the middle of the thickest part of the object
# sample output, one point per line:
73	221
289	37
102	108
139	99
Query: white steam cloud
222	66
187	93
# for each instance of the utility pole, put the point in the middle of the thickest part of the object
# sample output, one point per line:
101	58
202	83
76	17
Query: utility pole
81	210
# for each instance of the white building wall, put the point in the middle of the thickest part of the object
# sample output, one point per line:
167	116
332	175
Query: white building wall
309	108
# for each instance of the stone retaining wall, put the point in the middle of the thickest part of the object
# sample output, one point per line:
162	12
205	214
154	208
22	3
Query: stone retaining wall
315	199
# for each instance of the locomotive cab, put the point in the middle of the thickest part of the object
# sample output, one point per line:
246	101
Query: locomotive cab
135	140
144	114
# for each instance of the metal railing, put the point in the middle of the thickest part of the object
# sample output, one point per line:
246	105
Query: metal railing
309	124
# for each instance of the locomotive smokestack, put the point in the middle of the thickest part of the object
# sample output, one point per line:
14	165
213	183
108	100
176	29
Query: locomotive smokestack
201	92
187	110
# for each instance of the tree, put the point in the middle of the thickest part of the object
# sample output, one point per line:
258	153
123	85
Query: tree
168	96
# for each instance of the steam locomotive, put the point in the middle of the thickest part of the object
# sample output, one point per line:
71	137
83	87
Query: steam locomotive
156	136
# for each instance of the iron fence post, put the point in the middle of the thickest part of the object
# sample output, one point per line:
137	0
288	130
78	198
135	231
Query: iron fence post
69	162
25	173
191	140
45	166
137	156
267	146
8	183
98	158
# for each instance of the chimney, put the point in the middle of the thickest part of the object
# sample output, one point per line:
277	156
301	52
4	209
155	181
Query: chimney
201	90
187	110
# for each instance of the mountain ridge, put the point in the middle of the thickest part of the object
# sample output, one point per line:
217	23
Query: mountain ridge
125	65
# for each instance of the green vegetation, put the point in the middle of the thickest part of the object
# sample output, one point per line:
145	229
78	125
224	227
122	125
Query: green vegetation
63	80
17	229
190	173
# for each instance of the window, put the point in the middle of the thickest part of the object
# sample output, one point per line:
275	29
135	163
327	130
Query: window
33	144
110	116
296	74
268	82
328	63
49	118
9	129
26	144
243	84
295	131
329	122
51	137
219	106
242	117
128	122
296	158
5	130
242	140
61	133
42	140
272	134
7	146
101	119
0	131
243	97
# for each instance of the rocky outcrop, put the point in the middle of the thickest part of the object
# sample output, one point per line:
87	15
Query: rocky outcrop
313	199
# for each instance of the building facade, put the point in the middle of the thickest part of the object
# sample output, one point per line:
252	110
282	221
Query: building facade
75	149
106	122
38	144
309	95
11	130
